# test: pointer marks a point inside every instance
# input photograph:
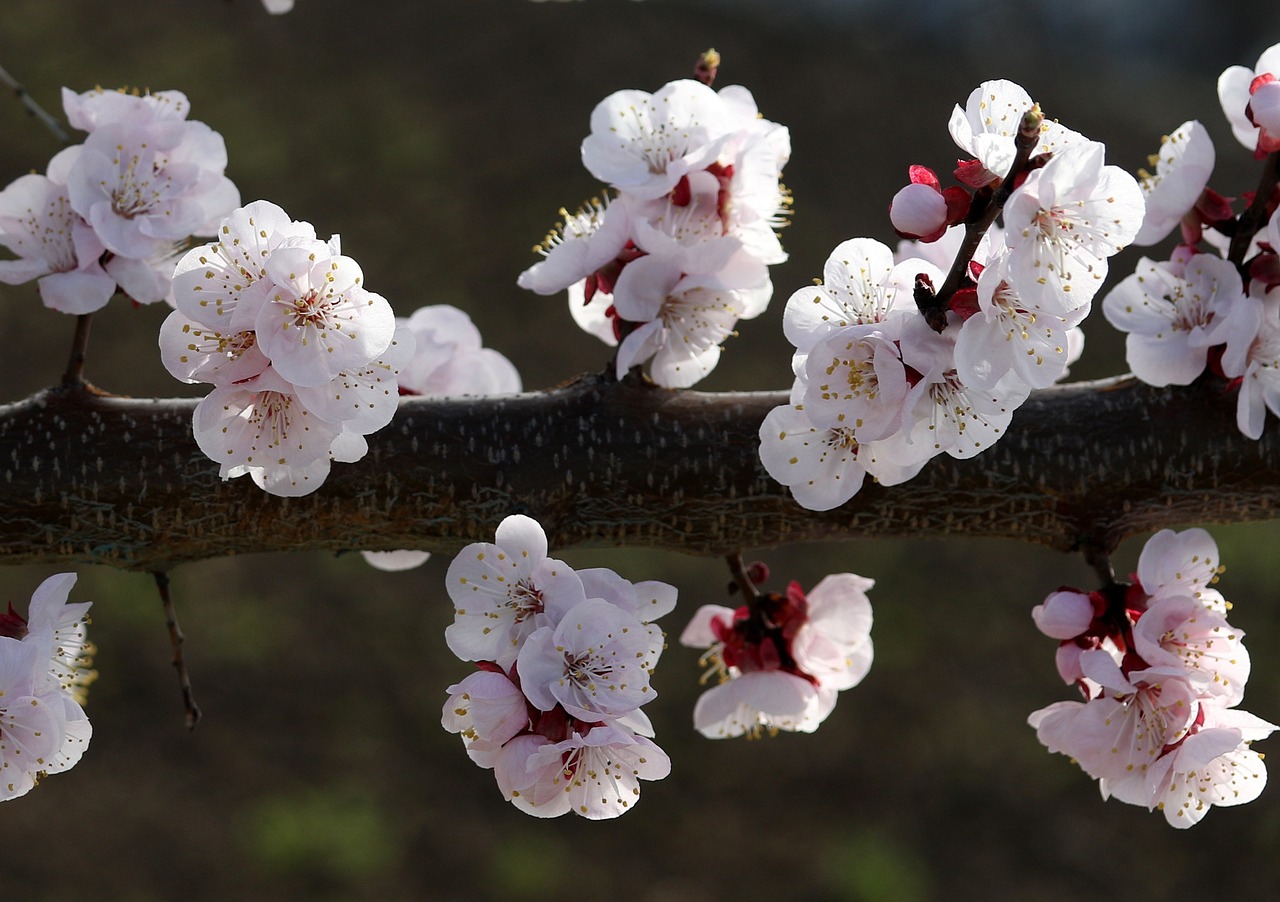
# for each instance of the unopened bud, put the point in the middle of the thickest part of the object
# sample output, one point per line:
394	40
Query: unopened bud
705	69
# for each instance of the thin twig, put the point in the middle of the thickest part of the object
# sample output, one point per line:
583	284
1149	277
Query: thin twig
175	640
1025	141
74	376
740	576
1253	218
38	112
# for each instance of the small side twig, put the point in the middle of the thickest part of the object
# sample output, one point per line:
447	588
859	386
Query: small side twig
982	217
37	112
175	640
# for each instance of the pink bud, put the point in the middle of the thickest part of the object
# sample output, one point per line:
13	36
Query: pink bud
1064	615
919	211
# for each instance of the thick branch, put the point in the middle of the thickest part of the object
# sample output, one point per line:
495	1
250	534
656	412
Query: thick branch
119	481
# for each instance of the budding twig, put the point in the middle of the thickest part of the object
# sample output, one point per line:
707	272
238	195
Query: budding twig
1253	218
175	640
981	216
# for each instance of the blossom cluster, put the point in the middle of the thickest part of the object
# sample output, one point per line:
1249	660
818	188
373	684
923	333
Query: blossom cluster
118	209
667	265
896	362
45	663
303	358
1162	672
564	661
1214	305
781	659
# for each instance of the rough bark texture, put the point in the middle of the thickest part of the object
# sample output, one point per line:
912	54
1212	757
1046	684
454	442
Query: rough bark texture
119	481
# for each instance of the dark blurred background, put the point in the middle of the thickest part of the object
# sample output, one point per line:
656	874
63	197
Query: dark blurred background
439	139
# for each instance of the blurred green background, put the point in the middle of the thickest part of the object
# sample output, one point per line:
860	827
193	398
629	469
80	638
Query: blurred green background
439	139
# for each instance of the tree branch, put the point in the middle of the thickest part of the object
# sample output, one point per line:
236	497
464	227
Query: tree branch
91	478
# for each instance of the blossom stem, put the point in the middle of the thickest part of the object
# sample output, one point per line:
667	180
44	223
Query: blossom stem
175	641
1253	218
741	578
74	376
37	112
1100	561
981	216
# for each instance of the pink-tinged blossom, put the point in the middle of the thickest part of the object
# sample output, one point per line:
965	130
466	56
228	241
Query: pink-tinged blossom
1236	87
1009	335
595	774
364	398
44	661
1174	312
781	658
52	242
822	466
193	352
683	320
833	644
856	380
144	185
943	415
691	235
262	429
1214	766
585	241
1182	170
97	107
595	663
1183	563
449	359
318	320
646	600
500	588
486	709
1259	368
989	122
224	284
32	721
645	143
1127	727
1178	631
860	285
763	700
51	614
1063	223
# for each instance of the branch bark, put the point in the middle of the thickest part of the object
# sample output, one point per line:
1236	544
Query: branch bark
93	478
